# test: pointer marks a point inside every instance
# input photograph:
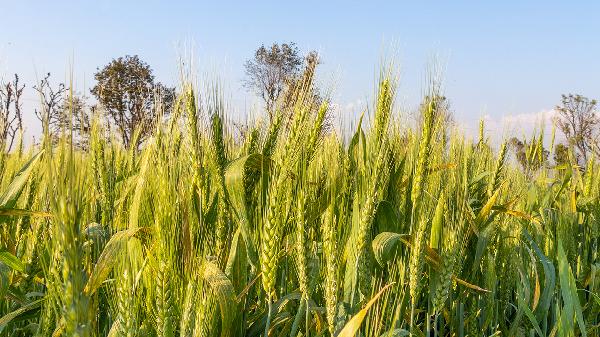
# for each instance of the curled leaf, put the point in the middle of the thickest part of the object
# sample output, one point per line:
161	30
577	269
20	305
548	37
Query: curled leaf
351	328
107	258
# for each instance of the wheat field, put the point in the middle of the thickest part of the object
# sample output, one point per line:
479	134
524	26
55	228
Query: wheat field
291	229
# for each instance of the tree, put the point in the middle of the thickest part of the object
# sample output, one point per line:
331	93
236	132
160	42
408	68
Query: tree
531	155
11	117
561	154
77	116
443	115
271	69
578	120
52	100
62	111
301	85
127	90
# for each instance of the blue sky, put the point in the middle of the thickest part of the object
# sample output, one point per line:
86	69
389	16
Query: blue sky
506	60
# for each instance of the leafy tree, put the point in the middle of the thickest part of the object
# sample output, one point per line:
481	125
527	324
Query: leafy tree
561	154
443	115
271	70
578	120
301	87
77	116
531	155
126	88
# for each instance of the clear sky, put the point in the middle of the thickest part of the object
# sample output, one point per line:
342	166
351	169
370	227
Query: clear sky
506	60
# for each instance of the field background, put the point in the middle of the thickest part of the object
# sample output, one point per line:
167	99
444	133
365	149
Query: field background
286	228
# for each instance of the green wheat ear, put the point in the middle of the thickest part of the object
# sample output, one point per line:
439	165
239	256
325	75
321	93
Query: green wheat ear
423	154
331	267
496	178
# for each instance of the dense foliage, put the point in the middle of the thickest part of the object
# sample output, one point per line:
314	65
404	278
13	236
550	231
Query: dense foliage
289	230
127	91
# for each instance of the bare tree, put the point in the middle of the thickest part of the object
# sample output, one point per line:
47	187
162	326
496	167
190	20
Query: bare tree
63	112
52	100
578	120
11	118
270	70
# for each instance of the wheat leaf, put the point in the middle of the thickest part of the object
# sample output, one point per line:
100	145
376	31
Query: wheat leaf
108	257
351	328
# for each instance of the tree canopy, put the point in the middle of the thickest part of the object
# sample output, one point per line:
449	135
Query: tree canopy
269	71
126	88
578	120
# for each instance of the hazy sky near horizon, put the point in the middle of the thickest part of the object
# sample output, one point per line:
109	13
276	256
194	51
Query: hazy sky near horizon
507	61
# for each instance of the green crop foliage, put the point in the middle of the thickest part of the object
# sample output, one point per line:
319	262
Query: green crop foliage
293	229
